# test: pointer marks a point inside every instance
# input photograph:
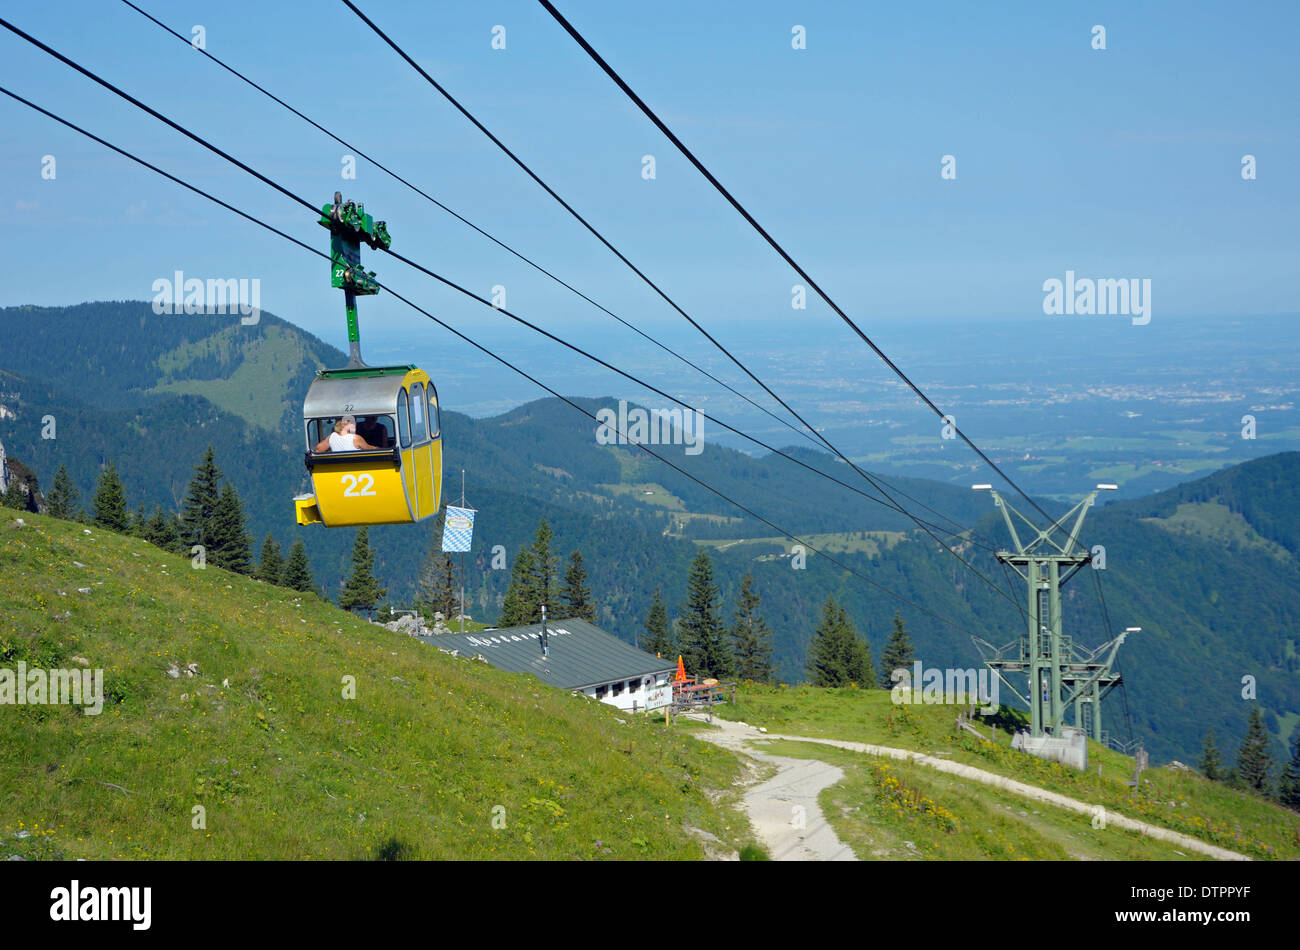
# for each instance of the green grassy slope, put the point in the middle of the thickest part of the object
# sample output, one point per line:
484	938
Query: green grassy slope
286	767
1178	799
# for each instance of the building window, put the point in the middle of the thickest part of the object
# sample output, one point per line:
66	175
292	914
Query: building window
600	692
618	689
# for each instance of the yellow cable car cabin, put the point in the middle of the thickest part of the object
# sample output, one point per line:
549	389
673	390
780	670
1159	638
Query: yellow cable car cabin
374	447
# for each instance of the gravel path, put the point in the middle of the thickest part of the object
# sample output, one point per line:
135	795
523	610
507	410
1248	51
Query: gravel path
784	809
800	781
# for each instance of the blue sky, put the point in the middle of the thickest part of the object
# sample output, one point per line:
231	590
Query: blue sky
1117	163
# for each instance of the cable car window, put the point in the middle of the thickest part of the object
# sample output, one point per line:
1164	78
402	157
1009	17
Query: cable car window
403	421
377	431
418	433
435	418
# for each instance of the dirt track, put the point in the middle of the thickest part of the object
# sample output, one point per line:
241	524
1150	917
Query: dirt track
799	781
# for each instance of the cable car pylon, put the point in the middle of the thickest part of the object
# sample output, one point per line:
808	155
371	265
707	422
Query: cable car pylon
1060	673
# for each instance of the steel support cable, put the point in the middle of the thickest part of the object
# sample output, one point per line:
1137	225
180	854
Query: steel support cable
470	224
289	194
690	156
1110	632
252	171
646	279
491	354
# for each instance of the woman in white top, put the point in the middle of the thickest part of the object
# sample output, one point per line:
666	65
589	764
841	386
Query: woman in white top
344	438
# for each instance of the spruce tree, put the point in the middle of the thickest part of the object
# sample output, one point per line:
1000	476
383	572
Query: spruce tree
63	497
575	596
705	645
751	636
1288	792
201	498
439	585
1254	760
659	634
521	605
270	565
361	590
297	572
24	493
545	567
858	652
1211	761
825	666
160	530
110	500
138	521
14	497
897	655
229	544
836	655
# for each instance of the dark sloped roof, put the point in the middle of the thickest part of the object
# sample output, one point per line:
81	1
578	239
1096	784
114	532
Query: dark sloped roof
581	653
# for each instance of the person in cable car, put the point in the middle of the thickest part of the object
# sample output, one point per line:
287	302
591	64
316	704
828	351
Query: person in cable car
372	430
344	438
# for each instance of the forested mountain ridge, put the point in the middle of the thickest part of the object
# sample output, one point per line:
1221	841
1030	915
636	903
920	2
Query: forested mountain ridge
1208	569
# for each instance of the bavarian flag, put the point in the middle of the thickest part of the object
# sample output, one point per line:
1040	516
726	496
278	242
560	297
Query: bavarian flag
457	529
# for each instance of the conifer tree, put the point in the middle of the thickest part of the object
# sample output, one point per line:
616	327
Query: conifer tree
23	491
63	497
160	530
138	521
1254	760
1288	792
521	605
33	494
201	500
575	596
110	500
14	497
297	572
439	585
229	544
860	671
897	655
545	567
751	636
659	634
270	565
361	590
705	645
1211	761
836	655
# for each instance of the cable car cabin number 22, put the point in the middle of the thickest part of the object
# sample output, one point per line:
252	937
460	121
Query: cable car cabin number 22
373	447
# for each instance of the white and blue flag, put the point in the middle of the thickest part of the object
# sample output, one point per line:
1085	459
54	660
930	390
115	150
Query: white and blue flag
457	529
